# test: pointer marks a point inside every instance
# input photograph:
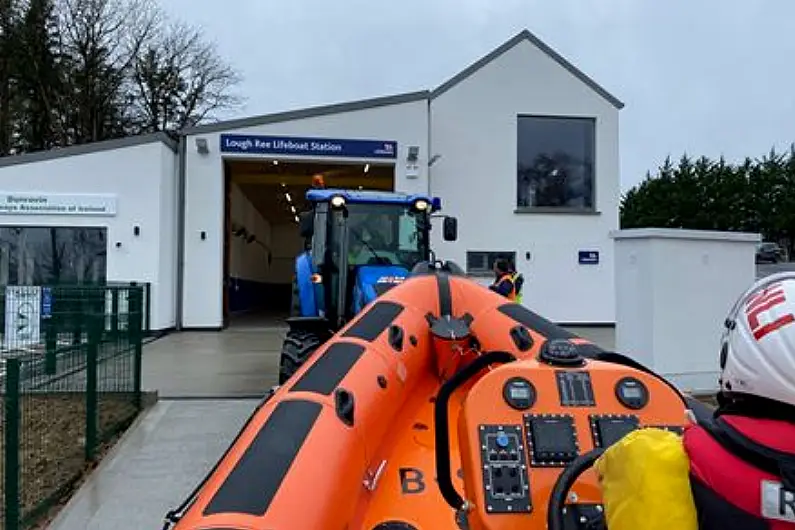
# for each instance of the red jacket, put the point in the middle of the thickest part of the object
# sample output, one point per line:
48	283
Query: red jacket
730	492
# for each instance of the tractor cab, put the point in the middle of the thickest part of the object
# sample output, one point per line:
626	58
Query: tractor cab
358	245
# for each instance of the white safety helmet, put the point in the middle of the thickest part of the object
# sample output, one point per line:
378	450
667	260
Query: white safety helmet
757	356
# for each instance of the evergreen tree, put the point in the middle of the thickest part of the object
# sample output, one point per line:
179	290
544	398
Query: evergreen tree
752	196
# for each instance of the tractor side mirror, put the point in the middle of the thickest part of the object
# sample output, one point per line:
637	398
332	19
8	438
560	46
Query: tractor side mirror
306	224
450	229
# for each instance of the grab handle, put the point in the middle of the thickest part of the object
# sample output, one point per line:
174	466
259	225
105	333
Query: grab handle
442	435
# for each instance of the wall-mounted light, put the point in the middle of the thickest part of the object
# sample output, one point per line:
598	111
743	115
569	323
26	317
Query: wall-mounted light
366	168
136	230
201	146
414	153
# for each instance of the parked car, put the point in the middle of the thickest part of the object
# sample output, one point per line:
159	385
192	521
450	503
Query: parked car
769	252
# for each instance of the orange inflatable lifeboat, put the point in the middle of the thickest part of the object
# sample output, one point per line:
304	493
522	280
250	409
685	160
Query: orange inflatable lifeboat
440	406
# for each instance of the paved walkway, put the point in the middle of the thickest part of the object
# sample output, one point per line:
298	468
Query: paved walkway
237	362
155	466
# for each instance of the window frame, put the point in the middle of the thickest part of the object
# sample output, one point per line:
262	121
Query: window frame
490	257
570	210
35	270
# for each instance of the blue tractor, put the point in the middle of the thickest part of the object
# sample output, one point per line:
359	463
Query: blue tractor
358	244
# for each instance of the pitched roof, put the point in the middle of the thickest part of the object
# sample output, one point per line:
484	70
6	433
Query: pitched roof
84	149
310	112
365	104
526	35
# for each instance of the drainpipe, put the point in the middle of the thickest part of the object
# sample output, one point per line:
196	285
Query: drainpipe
181	185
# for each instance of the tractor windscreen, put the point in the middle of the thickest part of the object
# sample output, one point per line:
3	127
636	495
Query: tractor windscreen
385	234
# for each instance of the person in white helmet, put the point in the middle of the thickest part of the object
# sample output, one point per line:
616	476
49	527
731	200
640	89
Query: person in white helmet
739	463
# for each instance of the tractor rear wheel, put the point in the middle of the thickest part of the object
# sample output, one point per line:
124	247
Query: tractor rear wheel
298	346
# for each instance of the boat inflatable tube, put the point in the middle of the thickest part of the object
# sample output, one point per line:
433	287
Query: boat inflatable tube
444	406
645	482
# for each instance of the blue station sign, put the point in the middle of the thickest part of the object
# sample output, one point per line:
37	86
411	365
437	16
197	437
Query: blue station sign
588	257
289	145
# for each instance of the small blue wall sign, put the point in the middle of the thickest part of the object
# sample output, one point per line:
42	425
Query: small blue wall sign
46	302
290	145
589	257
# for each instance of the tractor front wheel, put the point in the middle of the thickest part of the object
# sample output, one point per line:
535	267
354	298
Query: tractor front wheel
298	346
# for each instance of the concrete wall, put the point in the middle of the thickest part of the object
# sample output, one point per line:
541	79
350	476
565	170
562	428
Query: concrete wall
674	289
249	270
474	131
287	244
404	123
142	176
248	261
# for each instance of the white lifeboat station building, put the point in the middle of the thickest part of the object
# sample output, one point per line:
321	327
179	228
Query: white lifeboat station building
521	146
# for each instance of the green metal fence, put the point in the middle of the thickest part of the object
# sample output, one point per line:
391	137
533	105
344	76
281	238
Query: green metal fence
70	381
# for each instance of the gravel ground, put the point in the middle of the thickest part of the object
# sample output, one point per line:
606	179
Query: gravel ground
53	442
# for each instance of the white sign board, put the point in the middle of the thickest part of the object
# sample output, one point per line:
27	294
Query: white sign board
23	315
56	204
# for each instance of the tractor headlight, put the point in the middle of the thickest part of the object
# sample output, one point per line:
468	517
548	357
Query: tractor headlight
337	201
421	205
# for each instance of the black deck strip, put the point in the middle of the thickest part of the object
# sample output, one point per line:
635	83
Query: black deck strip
255	480
535	322
445	295
329	369
371	324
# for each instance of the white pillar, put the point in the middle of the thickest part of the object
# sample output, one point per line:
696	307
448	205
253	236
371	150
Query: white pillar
674	289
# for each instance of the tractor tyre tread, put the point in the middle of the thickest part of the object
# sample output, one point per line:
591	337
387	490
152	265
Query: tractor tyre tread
298	346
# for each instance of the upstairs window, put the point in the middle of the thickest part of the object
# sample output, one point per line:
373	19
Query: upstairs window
555	166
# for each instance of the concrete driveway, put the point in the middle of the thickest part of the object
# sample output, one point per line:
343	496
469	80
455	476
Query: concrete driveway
155	466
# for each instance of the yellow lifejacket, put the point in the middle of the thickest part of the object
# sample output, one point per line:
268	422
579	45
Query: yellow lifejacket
513	295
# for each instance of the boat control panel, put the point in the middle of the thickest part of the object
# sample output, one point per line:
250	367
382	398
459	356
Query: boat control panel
526	421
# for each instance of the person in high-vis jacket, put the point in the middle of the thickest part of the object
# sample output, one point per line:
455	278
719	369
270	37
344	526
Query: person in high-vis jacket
508	282
735	469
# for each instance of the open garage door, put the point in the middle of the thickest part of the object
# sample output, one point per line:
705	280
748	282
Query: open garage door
262	236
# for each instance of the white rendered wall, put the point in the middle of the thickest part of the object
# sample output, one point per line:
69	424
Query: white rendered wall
405	123
674	289
287	244
144	181
248	261
474	131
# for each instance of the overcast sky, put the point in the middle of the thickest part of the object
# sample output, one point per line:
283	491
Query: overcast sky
702	76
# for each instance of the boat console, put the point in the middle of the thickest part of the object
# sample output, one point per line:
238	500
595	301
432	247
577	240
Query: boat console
529	431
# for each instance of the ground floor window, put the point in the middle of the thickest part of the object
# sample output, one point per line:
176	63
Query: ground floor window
33	255
555	166
481	262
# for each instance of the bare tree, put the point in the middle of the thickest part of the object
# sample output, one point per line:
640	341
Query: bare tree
103	39
78	71
178	80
